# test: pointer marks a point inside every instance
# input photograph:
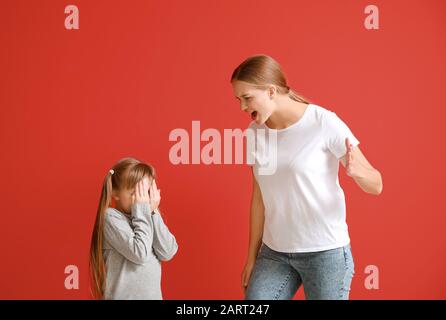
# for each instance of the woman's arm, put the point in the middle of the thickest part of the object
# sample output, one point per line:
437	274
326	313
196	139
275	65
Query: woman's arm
368	178
256	222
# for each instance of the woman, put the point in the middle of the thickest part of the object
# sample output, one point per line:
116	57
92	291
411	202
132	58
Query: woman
298	230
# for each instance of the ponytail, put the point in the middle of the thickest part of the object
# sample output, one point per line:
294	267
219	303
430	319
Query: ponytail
97	263
296	97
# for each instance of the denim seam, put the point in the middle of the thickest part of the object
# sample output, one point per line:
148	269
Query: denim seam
279	292
341	291
343	287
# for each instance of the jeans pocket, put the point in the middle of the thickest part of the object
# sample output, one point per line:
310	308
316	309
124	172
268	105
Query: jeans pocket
267	252
261	249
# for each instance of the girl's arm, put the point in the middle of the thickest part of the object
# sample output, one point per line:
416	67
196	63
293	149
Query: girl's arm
164	242
134	244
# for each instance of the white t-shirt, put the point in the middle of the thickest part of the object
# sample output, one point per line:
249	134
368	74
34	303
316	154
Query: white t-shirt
304	202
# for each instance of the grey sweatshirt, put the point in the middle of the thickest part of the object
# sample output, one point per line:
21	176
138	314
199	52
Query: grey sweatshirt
134	246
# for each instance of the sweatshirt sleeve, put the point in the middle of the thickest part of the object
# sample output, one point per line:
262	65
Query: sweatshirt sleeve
164	242
133	241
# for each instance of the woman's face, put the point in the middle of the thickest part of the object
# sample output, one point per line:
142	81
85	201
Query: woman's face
255	101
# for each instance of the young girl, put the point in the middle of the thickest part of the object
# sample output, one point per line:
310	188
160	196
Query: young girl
129	240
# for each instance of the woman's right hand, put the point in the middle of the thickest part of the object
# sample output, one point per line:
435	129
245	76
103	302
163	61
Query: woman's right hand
246	275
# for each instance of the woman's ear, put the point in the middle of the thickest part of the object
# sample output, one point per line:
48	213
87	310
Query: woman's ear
272	91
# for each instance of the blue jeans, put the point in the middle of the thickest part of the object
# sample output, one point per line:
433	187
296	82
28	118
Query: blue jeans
325	275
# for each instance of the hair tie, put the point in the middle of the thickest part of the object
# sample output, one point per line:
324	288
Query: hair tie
111	171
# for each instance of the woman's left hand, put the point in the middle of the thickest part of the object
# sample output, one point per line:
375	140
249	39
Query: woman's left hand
351	166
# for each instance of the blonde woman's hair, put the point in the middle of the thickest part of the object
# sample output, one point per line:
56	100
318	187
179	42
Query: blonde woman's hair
262	71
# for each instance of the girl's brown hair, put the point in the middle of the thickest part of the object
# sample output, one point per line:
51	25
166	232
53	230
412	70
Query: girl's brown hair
262	70
127	172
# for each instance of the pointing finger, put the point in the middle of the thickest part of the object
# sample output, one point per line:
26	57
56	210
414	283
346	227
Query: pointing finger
347	144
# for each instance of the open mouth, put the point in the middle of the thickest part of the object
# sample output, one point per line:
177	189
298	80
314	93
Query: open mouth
253	115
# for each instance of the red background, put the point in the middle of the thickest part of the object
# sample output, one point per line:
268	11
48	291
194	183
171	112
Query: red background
75	101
